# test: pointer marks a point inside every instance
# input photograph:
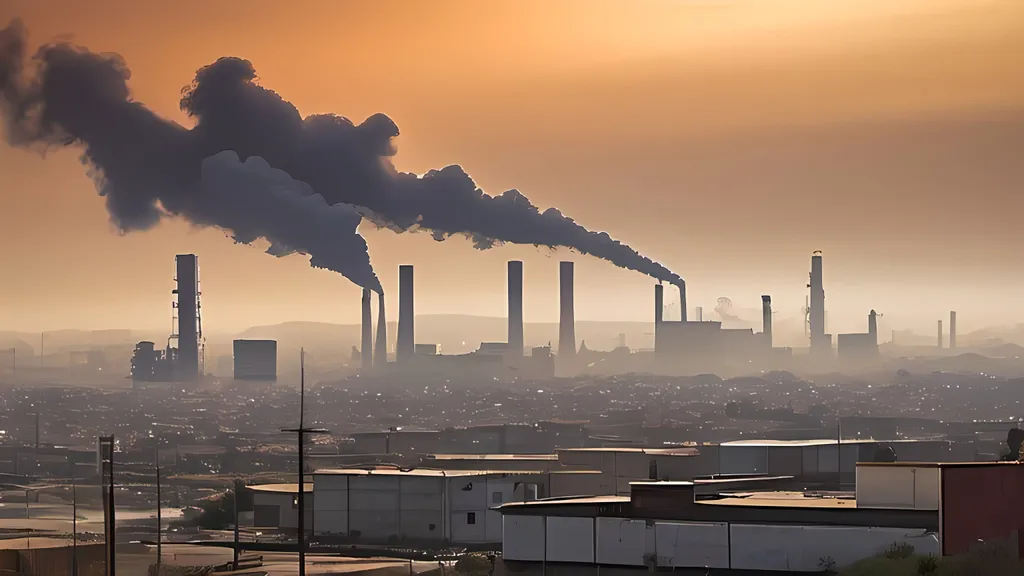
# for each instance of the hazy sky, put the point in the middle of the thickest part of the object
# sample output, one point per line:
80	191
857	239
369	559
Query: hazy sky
725	138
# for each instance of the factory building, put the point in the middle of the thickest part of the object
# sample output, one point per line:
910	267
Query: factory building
860	346
415	506
933	507
255	360
705	347
182	359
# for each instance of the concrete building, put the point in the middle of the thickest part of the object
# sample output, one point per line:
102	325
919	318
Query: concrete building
415	506
621	466
673	525
255	360
824	461
277	506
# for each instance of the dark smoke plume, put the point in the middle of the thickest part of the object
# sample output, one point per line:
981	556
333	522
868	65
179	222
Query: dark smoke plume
146	163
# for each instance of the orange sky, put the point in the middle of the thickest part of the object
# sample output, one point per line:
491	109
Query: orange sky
725	138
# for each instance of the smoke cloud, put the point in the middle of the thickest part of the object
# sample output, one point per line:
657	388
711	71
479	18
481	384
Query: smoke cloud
146	166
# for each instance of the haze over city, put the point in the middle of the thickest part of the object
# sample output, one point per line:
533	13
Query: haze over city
511	287
724	139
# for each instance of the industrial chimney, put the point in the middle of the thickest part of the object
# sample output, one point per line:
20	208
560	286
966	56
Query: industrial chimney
406	346
819	344
366	344
682	300
187	291
939	343
567	316
659	304
952	330
380	356
766	318
873	326
515	307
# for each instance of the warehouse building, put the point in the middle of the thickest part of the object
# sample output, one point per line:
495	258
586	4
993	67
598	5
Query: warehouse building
418	506
277	506
676	525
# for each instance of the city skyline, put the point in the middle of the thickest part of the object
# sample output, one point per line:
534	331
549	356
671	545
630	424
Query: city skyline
884	137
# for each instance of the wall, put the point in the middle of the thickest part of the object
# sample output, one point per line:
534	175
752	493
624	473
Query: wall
330	514
815	548
900	487
982	502
638	543
288	512
569	539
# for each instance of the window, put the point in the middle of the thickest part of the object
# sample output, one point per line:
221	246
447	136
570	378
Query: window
471	518
496	498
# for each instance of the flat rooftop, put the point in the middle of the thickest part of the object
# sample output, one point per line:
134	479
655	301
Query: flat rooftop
543	457
421	472
567	501
650	451
781	500
821	442
281	488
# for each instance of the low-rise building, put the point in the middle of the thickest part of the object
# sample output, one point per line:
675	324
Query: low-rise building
277	506
420	506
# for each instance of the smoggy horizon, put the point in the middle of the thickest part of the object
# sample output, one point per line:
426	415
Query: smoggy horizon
726	140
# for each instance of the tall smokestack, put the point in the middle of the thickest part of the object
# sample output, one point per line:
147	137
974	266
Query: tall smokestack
187	291
873	326
515	307
682	300
939	343
817	308
406	346
766	318
659	304
366	345
380	356
952	330
567	317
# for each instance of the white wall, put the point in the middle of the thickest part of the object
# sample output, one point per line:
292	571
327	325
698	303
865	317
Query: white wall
812	548
523	538
902	487
692	544
621	541
570	539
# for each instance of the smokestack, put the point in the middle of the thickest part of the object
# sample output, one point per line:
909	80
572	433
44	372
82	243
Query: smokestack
187	291
682	300
406	346
817	308
366	346
939	343
766	318
659	304
952	330
380	357
873	326
567	317
515	307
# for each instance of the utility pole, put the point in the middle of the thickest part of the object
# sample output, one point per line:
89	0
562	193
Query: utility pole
106	464
74	525
159	517
301	431
238	492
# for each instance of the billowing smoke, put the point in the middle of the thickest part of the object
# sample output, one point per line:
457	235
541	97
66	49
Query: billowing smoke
253	200
147	165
